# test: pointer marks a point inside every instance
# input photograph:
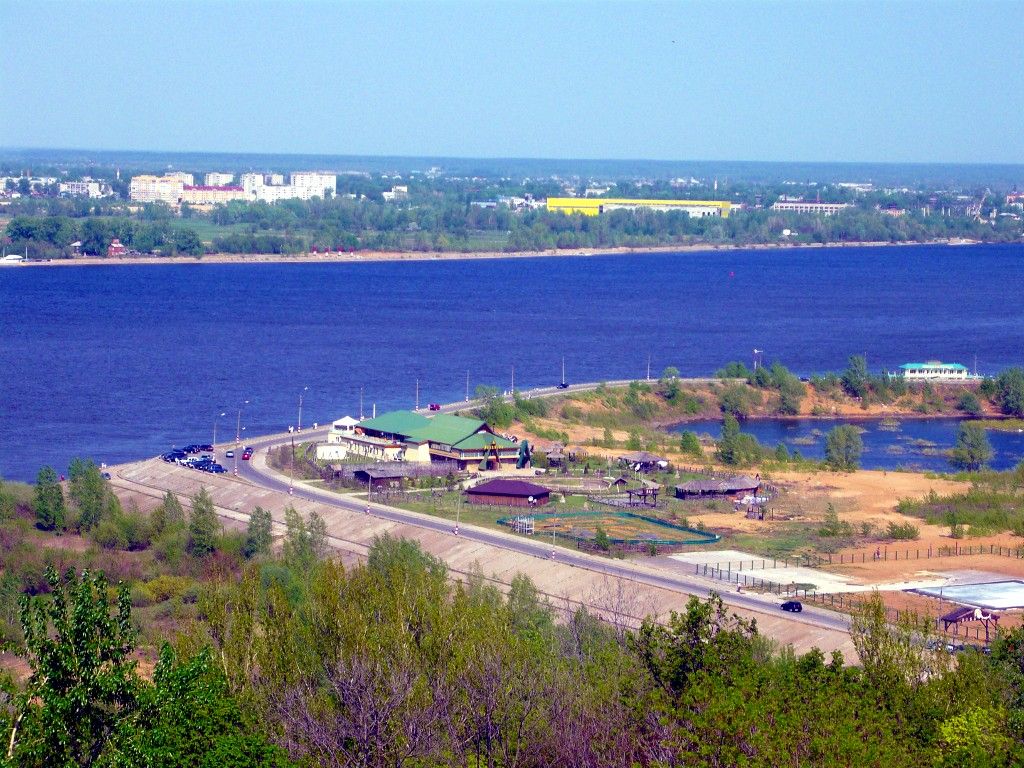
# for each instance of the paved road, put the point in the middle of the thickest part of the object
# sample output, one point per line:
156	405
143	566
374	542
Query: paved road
528	394
527	546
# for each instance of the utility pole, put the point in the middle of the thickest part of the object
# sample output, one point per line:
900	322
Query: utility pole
417	394
467	386
648	366
513	381
360	403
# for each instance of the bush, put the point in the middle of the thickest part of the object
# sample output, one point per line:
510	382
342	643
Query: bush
689	443
902	531
166	586
969	403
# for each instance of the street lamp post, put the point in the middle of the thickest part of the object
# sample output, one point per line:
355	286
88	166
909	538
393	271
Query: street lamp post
238	433
215	420
301	394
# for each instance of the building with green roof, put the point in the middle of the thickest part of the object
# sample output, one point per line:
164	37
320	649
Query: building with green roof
411	436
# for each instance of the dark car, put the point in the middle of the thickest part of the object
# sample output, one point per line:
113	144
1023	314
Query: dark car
105	475
216	469
206	447
191	448
563	385
435	406
793	606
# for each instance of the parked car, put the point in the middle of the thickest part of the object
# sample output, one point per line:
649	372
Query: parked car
793	606
435	406
563	385
206	447
216	469
105	475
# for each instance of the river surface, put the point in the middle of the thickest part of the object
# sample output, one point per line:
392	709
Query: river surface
912	444
122	362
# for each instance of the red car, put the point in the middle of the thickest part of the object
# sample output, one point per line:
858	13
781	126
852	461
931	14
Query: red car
247	455
435	406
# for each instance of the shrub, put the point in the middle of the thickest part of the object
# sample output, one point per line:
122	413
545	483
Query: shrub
689	443
902	531
969	403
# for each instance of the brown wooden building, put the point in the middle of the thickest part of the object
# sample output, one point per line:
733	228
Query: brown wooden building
508	493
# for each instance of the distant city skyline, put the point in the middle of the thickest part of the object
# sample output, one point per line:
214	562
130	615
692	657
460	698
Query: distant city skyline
920	82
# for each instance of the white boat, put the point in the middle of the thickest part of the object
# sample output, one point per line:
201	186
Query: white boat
11	260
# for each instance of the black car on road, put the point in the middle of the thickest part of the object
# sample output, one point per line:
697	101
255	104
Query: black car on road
793	606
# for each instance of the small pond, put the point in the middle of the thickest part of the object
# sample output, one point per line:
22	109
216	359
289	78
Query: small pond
912	444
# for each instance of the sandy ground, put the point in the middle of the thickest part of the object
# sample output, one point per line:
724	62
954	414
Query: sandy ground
250	258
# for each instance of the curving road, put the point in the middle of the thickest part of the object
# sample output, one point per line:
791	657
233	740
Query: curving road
527	546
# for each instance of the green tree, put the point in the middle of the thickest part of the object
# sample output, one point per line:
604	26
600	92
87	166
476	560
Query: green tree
88	490
728	444
169	513
203	526
258	534
305	541
843	447
782	453
856	379
1010	391
601	539
83	680
972	449
48	501
689	443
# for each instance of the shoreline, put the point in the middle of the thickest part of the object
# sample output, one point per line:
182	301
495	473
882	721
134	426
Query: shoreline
382	256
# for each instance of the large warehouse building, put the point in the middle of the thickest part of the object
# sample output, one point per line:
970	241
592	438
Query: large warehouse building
594	206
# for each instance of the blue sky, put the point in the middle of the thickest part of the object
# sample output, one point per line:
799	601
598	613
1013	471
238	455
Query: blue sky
822	81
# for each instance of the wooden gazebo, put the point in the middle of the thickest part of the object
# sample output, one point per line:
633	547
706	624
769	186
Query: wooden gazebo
968	613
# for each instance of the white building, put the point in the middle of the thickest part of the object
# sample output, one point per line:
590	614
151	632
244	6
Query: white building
206	195
801	206
152	189
398	192
304	186
933	370
85	188
185	178
310	184
218	179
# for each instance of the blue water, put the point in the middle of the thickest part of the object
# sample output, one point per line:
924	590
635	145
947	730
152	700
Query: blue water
122	362
914	444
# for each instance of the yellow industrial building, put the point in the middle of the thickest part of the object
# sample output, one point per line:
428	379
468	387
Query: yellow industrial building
593	206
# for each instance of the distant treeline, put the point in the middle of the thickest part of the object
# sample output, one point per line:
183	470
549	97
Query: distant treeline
451	223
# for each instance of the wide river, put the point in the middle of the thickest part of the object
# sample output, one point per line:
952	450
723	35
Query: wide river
121	362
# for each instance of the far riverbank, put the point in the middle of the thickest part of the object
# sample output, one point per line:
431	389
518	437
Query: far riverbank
374	256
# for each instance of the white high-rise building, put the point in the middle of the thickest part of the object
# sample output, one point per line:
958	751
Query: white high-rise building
152	189
310	184
304	186
184	178
218	179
